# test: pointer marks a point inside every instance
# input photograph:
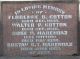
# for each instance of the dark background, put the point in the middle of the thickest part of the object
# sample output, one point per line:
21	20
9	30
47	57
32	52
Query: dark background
39	57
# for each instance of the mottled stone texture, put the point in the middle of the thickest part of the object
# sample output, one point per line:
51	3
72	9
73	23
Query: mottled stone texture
69	8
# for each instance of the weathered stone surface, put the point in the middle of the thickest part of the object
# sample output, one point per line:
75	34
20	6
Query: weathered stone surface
57	22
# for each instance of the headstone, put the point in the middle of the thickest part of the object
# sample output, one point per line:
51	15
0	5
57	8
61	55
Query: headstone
39	28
